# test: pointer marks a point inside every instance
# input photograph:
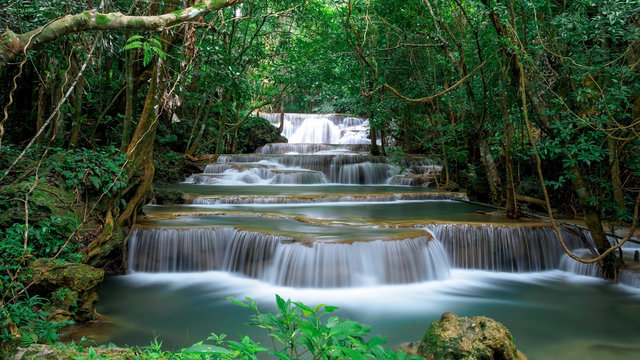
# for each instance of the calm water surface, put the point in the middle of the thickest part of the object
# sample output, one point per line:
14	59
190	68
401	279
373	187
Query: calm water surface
552	315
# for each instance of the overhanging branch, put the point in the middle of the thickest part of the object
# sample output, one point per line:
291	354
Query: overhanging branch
12	44
435	96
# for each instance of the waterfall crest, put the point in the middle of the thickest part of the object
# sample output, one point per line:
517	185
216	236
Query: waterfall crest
503	248
281	260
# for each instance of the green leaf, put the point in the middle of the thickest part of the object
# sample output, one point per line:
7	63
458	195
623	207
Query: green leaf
134	37
330	309
133	45
236	301
282	305
159	52
205	349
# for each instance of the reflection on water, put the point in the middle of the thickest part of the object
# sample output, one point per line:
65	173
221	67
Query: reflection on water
552	315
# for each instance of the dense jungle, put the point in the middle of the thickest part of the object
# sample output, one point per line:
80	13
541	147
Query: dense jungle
524	113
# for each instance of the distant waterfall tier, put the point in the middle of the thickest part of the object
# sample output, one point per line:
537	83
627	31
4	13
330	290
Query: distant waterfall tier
281	260
259	173
290	148
504	248
321	128
308	169
324	198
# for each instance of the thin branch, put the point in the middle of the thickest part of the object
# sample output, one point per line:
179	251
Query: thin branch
429	99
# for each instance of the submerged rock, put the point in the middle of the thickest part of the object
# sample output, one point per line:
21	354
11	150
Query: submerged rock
469	338
73	287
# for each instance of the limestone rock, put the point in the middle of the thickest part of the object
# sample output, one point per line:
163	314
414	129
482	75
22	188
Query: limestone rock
50	352
468	338
73	287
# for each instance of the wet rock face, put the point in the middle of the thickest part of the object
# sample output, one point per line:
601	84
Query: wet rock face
469	338
73	287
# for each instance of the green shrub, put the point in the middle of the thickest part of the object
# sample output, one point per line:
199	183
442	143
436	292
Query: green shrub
297	332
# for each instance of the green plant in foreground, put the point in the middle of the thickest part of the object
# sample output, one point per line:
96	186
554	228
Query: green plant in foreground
297	332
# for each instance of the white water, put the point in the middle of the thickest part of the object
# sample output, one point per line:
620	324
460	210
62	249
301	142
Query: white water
322	128
398	286
280	260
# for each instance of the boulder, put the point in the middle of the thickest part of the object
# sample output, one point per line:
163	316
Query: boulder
45	201
51	352
71	286
468	338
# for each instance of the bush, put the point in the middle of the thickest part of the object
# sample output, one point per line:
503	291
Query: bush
298	332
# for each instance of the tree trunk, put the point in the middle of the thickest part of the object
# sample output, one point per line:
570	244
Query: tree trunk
41	109
513	210
76	123
281	128
614	165
130	98
493	177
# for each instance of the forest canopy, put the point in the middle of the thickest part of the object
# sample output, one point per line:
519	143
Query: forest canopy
532	102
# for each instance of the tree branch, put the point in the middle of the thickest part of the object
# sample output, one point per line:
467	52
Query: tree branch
435	96
12	44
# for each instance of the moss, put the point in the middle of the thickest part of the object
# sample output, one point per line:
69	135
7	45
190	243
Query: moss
72	286
137	23
102	19
178	12
45	201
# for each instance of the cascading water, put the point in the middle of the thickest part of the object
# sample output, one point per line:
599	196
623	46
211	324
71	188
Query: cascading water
330	223
504	248
282	260
319	128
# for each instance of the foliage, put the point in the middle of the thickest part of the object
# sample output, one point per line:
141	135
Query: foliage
297	331
256	132
149	47
22	316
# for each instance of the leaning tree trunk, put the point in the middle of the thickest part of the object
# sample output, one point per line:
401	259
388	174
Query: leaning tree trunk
139	170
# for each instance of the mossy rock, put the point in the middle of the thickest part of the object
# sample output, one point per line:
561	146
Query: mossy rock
62	352
72	286
468	338
45	201
166	196
257	132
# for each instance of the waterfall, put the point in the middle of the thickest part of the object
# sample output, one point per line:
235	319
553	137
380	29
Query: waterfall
630	277
316	130
503	248
360	263
323	198
201	249
576	267
281	260
366	173
338	169
322	128
288	148
262	172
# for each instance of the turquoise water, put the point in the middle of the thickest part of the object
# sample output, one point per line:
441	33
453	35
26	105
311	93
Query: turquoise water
552	315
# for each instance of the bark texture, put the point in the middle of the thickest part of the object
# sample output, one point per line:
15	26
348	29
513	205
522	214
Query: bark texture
12	44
